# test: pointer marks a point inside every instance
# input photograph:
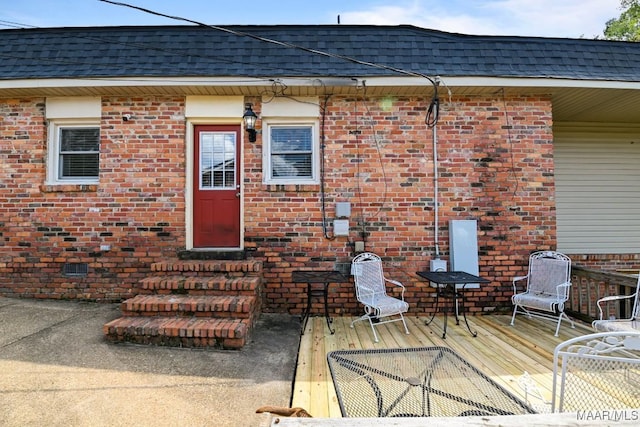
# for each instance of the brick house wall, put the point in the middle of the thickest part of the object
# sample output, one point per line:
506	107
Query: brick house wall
137	209
495	162
494	169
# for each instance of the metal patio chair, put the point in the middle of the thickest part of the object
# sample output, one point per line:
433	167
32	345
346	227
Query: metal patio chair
366	269
548	282
631	323
597	372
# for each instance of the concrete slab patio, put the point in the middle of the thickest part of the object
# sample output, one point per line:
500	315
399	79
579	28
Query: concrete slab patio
57	370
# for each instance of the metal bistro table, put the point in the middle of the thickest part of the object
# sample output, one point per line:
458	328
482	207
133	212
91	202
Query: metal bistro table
317	286
416	382
449	280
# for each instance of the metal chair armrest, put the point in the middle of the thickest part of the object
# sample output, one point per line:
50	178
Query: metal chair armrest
398	284
517	279
609	299
395	282
565	291
614	298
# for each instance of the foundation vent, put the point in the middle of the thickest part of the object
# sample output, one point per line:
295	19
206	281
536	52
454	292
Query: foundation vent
75	269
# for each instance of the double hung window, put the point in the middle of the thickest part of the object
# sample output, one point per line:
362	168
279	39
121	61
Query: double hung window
291	153
74	155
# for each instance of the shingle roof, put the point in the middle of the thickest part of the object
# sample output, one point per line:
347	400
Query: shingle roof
179	51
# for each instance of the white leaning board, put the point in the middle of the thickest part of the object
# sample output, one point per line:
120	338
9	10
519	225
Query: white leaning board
463	248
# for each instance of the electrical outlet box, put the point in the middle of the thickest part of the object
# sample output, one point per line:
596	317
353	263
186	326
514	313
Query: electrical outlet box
359	246
438	265
341	227
343	210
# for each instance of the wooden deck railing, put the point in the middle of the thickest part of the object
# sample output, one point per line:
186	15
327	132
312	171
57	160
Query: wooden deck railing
590	285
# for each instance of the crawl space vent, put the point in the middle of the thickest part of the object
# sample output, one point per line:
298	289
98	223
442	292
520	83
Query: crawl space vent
75	269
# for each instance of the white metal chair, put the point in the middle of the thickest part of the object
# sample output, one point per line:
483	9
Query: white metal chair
631	323
370	283
548	282
597	372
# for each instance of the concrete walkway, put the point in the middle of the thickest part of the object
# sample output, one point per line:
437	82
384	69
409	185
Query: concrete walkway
57	370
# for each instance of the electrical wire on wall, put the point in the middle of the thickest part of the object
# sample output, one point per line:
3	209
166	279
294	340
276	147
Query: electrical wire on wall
510	141
433	112
365	218
278	90
431	120
356	133
323	111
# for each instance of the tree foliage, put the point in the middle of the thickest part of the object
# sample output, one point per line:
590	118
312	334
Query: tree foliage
627	26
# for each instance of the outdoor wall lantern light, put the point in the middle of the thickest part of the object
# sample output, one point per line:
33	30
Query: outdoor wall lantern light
250	122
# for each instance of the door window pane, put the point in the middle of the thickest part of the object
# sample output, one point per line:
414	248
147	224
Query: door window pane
217	160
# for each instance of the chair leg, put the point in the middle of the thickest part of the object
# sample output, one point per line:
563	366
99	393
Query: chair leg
406	330
513	318
375	336
370	318
573	325
365	316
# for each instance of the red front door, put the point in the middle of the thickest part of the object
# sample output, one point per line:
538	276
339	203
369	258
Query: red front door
216	195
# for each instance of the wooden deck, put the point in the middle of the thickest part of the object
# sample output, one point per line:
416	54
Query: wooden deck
501	351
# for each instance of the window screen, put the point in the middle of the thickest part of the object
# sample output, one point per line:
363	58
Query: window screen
291	152
79	153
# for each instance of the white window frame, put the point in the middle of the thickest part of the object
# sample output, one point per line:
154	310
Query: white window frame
53	157
315	154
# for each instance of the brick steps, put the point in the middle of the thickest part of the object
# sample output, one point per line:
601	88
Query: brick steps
188	305
214	285
203	304
186	332
208	266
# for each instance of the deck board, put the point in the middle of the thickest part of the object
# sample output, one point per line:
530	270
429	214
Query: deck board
501	351
319	380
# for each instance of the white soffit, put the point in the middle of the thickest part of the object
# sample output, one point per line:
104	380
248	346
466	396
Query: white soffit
498	82
313	81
